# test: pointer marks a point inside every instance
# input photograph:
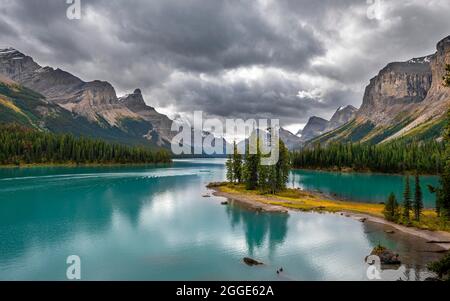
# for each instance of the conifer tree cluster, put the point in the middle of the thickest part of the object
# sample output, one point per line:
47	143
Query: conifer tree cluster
424	157
393	212
418	200
250	171
20	145
443	191
407	205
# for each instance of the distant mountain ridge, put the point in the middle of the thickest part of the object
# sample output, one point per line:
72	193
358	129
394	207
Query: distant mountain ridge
406	100
95	102
317	126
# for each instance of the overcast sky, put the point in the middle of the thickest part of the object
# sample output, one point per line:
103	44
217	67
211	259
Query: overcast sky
286	59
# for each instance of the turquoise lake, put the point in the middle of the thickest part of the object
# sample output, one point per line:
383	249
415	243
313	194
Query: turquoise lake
148	223
365	187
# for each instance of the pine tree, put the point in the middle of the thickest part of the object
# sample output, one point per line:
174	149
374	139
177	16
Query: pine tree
282	167
251	163
237	164
263	178
22	145
445	178
418	202
230	172
407	201
391	209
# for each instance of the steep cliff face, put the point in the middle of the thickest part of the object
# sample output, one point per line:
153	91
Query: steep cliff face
397	88
437	101
405	100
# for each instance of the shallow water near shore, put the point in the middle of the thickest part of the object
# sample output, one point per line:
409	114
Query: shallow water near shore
143	223
361	187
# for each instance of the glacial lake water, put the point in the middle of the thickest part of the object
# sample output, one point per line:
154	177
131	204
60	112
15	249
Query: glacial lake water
148	223
362	187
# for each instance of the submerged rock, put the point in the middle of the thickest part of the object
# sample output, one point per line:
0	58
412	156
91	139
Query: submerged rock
224	203
251	262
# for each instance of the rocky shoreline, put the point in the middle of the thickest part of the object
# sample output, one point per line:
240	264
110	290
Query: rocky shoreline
440	239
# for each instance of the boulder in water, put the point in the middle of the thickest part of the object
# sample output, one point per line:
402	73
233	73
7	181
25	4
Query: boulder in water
251	262
386	256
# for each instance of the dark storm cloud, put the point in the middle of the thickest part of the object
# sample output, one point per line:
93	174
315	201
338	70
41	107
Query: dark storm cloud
229	58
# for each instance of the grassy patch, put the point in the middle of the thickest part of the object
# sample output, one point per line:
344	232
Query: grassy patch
308	201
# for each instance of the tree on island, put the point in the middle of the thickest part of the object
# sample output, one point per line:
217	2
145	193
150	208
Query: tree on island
251	163
407	206
229	166
267	178
391	209
234	166
273	178
418	201
237	164
443	191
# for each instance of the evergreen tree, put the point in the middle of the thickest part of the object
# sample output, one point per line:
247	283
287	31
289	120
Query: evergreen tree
237	164
391	209
393	157
418	202
444	194
19	145
251	163
407	201
230	171
263	178
443	191
444	197
282	167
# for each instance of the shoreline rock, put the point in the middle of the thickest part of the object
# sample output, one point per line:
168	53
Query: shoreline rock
386	256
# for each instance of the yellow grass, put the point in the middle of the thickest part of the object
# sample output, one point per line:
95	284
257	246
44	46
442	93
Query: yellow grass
9	104
308	201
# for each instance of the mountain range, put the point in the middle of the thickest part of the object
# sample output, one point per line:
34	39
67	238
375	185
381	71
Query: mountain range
55	100
406	100
316	126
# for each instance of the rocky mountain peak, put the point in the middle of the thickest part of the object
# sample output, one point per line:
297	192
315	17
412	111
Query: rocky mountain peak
341	117
397	87
134	101
315	127
443	44
11	52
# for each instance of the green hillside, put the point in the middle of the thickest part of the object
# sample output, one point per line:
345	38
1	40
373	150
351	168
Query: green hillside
23	106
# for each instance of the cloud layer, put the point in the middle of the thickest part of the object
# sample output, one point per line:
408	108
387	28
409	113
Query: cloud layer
287	59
